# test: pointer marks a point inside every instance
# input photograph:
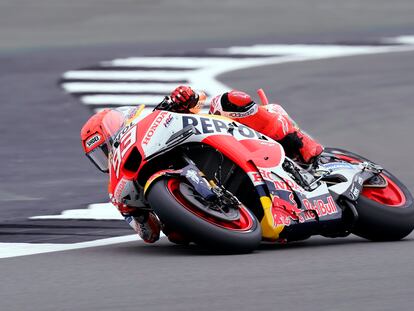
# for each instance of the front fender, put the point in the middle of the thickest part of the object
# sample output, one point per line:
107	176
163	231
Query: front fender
192	174
157	176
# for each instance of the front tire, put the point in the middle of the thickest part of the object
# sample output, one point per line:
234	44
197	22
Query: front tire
171	206
385	214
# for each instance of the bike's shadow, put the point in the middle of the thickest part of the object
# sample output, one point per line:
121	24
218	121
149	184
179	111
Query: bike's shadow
166	248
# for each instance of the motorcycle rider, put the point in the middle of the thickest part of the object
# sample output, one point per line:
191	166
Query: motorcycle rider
270	120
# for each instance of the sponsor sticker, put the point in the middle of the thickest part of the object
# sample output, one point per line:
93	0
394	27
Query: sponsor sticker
313	210
321	207
204	125
158	120
168	121
192	174
335	166
119	189
245	114
256	178
93	140
280	184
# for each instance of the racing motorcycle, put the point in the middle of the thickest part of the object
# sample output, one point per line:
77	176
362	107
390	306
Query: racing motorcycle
227	187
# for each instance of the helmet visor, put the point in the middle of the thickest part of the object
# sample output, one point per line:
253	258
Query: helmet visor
99	157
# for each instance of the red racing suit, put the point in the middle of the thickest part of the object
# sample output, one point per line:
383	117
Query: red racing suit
271	120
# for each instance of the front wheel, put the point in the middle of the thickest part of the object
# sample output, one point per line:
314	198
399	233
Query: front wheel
169	202
385	214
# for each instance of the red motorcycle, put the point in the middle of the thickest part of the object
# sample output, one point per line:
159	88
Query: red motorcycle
225	186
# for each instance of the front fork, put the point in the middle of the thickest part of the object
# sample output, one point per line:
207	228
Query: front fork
208	190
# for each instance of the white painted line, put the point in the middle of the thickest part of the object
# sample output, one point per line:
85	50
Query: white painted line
126	75
400	40
99	211
8	250
294	49
119	87
311	50
170	62
132	100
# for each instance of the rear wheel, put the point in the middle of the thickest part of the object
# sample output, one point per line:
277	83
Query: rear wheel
170	199
385	213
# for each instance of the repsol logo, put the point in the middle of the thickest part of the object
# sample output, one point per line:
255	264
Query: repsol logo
211	126
125	129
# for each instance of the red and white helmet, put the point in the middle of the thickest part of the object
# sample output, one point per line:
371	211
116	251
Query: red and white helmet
234	104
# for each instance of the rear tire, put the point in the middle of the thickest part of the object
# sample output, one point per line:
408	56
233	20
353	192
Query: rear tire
378	221
178	214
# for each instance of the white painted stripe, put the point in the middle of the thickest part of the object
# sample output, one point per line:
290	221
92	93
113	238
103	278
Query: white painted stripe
126	75
400	40
121	100
99	211
126	100
300	49
170	62
118	87
8	250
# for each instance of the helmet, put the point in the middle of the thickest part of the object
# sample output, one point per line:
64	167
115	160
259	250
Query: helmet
96	136
233	104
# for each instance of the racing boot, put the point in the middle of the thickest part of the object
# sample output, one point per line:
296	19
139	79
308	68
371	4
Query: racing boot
146	225
299	145
271	120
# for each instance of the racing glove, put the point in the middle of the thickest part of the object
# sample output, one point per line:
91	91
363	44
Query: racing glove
183	98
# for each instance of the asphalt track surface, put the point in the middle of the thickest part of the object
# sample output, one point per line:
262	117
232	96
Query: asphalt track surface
368	108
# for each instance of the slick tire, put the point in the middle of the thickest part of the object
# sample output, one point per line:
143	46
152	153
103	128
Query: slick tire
379	221
177	213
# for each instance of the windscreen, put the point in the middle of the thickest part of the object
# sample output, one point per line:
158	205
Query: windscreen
115	120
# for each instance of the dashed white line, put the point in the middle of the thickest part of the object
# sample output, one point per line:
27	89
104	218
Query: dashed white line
118	87
127	75
121	100
192	62
99	211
